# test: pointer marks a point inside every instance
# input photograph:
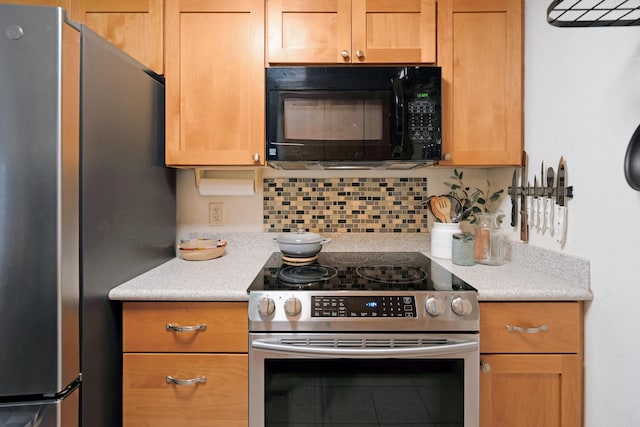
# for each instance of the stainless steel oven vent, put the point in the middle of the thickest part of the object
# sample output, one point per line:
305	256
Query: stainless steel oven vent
364	342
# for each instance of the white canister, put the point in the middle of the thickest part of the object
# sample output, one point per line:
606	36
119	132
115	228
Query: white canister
441	237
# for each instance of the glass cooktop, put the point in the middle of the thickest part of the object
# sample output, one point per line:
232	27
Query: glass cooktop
357	271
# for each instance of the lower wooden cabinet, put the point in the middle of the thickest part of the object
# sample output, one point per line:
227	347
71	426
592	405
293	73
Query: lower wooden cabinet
185	364
532	364
211	390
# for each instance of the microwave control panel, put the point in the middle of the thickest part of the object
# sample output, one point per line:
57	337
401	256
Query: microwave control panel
424	128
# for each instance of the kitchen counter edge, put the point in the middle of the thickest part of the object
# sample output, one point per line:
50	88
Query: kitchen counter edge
525	277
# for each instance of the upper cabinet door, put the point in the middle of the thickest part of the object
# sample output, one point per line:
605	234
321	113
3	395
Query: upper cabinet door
480	52
351	31
66	4
309	31
135	26
214	72
392	31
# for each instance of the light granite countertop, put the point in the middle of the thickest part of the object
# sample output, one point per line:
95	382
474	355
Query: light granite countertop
530	273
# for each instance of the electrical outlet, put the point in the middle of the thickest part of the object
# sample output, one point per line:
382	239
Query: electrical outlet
216	215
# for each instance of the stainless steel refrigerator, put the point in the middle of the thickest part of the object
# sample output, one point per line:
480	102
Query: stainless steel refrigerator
86	203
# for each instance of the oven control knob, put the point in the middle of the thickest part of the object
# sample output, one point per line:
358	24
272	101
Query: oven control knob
266	307
434	306
461	306
292	306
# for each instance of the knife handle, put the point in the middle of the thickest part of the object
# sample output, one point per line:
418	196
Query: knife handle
543	214
561	222
529	211
513	213
548	214
534	220
539	213
524	228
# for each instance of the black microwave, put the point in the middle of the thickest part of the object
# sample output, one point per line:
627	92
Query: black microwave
353	117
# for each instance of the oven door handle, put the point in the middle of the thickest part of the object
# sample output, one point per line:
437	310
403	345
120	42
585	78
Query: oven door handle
420	351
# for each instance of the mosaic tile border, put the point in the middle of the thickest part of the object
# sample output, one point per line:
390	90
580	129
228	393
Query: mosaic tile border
349	205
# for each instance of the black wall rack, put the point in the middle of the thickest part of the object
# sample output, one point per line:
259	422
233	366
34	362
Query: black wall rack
594	13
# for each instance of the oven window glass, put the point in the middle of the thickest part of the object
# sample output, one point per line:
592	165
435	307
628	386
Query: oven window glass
370	392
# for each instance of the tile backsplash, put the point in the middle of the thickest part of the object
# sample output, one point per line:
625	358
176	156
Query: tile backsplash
337	205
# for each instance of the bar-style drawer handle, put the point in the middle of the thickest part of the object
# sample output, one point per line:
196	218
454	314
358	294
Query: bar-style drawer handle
541	328
176	328
191	381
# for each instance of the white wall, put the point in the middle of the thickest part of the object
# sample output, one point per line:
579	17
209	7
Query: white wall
582	101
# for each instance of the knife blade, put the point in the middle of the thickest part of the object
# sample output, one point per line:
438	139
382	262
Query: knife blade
543	202
524	227
514	191
529	205
549	211
561	211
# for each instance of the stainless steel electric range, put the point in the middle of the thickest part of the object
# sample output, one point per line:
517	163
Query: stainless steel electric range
353	338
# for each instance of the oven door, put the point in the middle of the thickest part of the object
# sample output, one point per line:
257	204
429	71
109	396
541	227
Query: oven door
351	379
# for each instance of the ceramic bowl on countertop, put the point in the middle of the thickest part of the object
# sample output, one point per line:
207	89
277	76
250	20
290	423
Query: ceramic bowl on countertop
201	249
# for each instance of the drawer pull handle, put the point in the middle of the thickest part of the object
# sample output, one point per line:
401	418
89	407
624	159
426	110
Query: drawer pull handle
176	328
541	328
191	381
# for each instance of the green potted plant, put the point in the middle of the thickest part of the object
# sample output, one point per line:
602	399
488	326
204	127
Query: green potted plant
480	201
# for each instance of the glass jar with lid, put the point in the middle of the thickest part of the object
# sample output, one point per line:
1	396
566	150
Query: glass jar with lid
489	240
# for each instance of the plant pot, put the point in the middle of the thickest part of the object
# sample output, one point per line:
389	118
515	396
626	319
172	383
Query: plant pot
441	237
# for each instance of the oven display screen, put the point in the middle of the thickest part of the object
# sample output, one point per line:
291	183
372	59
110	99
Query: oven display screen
363	306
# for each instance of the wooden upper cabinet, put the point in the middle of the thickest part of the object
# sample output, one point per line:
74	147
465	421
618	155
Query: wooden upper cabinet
351	31
480	50
214	69
66	4
135	26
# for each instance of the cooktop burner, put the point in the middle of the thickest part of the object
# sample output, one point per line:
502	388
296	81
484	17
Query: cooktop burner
358	271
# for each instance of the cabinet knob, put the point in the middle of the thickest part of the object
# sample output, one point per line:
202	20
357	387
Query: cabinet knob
485	367
447	156
345	54
256	157
360	54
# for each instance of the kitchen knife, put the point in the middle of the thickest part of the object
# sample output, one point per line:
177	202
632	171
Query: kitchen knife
549	202
543	202
514	191
524	227
529	205
536	208
561	211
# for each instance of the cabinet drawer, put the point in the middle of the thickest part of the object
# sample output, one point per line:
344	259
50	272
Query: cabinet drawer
145	329
563	322
149	400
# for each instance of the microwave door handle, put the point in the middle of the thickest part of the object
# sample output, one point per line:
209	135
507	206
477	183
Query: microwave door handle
398	95
420	351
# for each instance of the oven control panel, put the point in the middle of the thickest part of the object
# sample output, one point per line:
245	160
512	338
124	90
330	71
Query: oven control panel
363	306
